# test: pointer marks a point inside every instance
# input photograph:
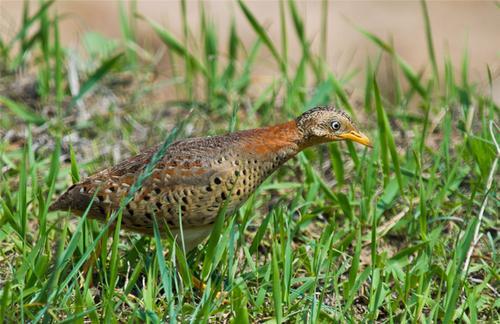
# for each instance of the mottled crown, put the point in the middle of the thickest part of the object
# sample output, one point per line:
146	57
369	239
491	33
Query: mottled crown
316	112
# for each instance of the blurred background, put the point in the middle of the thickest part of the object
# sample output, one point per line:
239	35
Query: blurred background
457	27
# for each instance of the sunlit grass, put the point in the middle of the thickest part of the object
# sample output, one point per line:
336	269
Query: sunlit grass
341	233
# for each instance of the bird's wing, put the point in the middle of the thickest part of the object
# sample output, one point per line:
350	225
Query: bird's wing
179	183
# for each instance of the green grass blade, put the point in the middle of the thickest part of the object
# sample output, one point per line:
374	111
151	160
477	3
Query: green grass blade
243	82
300	30
6	297
465	69
95	77
276	284
241	310
382	133
172	42
211	60
283	32
113	272
430	43
339	91
370	75
51	183
321	96
337	163
387	139
58	64
410	75
353	271
379	42
230	70
22	195
260	234
30	21
22	111
75	174
127	27
212	245
165	274
257	27
456	275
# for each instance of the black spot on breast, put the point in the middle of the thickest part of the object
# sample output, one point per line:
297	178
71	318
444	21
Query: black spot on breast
237	173
158	190
159	204
183	208
209	188
217	180
223	195
238	192
148	216
146	197
185	200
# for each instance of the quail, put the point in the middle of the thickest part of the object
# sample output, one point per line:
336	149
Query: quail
197	176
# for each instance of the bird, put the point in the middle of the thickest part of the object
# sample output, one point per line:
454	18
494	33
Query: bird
197	176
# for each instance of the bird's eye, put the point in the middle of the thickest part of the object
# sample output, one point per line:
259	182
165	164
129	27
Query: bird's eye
336	125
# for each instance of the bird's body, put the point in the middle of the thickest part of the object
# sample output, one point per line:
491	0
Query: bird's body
195	178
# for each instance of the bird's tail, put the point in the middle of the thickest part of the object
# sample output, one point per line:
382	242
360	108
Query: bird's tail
63	202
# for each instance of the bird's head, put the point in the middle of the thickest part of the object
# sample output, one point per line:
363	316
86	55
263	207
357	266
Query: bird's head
327	124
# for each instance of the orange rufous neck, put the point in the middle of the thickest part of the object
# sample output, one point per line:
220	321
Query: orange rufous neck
282	138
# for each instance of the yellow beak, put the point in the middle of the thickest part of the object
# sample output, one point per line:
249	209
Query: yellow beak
357	137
